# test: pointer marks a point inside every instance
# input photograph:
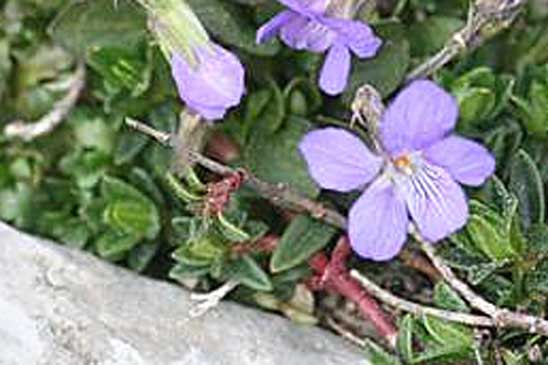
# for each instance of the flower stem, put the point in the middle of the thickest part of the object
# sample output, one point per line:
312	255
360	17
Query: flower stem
333	275
486	18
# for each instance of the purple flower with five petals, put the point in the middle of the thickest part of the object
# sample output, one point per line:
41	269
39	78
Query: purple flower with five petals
415	177
304	26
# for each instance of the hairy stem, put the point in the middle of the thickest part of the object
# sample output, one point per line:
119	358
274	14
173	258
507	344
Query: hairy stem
501	317
418	309
278	194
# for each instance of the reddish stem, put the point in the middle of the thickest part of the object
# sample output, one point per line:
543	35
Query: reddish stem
333	275
264	244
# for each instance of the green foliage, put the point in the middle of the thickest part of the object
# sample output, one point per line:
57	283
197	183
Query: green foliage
442	342
80	26
482	96
301	239
530	107
526	183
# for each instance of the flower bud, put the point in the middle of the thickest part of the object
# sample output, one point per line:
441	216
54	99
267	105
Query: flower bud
209	78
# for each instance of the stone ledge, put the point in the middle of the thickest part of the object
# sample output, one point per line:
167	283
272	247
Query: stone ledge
64	307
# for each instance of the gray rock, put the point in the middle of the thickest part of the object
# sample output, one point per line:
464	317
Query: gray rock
61	307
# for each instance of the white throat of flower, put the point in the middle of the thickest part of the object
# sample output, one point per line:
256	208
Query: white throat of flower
403	167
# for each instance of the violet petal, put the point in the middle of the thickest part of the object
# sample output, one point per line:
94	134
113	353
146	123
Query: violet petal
422	114
335	70
468	162
435	201
358	36
338	160
271	28
378	221
303	33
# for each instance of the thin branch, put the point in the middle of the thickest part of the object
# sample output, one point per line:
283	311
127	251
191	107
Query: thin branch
501	317
278	194
208	301
485	19
331	322
418	309
29	131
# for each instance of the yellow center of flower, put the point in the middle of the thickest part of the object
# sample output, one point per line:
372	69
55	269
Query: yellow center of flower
402	162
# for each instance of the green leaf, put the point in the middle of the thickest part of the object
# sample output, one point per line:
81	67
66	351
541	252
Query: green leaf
377	355
141	180
133	217
475	104
129	210
276	159
92	131
445	297
445	341
302	96
431	34
488	237
304	237
231	231
249	273
385	71
16	204
405	337
531	109
526	183
114	245
141	256
182	272
84	25
86	166
229	23
265	110
5	66
185	228
74	234
493	234
115	189
201	250
537	240
123	68
448	333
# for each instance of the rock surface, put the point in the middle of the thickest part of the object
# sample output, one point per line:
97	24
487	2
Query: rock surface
61	307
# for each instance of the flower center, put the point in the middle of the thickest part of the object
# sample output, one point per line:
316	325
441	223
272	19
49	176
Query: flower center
404	164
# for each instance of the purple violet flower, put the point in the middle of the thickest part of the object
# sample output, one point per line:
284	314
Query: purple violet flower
212	85
306	27
209	79
416	175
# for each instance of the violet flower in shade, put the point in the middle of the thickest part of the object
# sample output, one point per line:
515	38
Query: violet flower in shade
209	78
305	26
415	177
213	84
